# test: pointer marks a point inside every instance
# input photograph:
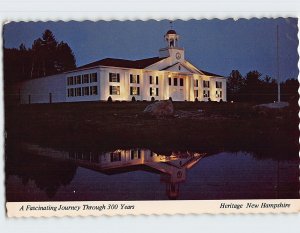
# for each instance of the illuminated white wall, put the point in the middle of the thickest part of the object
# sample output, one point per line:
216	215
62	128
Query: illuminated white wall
38	90
42	90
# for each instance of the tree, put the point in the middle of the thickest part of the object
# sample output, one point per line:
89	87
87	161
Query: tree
51	57
235	83
45	57
289	90
252	89
65	58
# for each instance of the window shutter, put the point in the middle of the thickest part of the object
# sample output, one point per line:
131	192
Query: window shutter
138	90
138	78
118	77
150	91
156	91
156	80
110	90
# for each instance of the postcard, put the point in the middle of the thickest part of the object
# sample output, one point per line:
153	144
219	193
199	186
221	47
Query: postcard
151	117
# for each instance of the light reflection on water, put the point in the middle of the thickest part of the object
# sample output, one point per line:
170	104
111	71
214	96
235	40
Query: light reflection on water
38	174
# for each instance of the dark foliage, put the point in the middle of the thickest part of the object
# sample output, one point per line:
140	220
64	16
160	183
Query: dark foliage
46	57
254	88
109	99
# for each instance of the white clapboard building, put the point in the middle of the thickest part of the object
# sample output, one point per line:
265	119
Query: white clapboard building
162	77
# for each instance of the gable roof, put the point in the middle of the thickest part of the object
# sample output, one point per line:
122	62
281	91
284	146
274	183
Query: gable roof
210	74
177	63
203	71
135	64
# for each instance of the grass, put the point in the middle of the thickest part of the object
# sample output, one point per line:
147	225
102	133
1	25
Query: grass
106	126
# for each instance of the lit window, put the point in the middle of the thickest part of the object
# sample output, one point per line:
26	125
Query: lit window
175	82
135	154
85	78
134	78
115	156
152	91
196	82
114	90
70	80
196	93
78	79
218	84
94	90
114	77
72	92
93	77
181	82
86	91
206	84
206	93
134	90
78	91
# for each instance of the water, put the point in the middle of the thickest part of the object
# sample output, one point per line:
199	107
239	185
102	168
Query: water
35	173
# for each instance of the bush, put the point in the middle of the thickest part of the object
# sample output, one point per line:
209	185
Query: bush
152	99
196	100
221	101
133	99
209	100
109	99
170	98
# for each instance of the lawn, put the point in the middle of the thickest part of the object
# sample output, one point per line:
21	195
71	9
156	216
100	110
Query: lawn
106	126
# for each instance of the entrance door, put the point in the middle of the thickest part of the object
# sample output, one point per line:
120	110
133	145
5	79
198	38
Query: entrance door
176	89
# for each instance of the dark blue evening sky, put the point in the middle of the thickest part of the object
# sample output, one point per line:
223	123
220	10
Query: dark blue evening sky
218	46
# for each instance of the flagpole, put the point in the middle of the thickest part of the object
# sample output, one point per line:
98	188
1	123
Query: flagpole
278	81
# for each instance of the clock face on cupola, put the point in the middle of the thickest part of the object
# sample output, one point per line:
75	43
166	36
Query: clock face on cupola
172	50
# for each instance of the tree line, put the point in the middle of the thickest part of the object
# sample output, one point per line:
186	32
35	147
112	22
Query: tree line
253	87
46	56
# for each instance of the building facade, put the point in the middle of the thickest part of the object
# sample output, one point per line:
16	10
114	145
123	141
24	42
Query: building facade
169	75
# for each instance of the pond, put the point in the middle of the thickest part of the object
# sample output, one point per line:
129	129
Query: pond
36	173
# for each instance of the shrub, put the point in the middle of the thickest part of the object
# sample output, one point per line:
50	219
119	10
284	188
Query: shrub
133	99
196	100
152	99
170	98
109	99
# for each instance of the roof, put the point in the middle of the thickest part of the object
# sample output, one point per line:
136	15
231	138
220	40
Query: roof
204	72
177	64
171	32
135	64
210	74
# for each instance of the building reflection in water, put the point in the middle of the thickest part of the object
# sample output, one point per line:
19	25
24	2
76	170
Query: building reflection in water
171	167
